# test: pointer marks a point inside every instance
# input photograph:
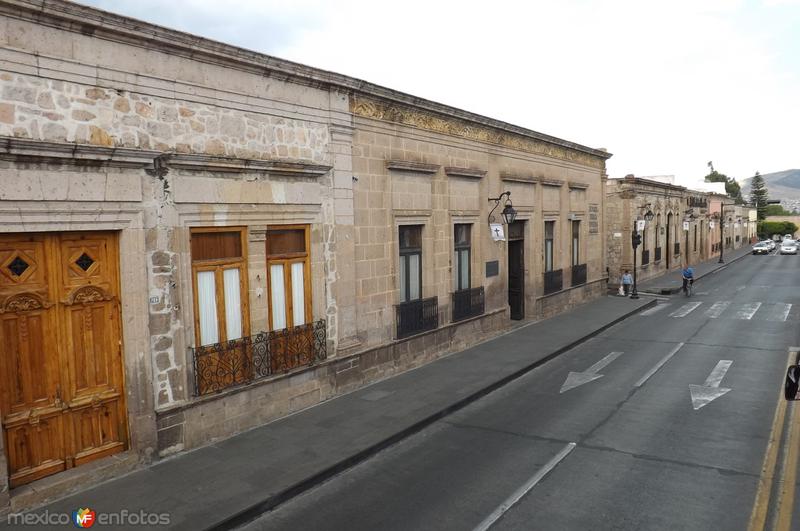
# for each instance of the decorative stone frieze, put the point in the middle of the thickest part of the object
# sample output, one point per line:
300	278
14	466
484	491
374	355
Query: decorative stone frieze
392	112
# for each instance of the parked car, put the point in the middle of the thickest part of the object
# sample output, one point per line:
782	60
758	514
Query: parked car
788	247
761	248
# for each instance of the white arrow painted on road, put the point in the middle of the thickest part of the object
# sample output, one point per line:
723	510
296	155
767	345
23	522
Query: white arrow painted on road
710	391
575	379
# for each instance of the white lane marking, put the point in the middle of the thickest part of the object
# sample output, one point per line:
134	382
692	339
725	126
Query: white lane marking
740	288
781	312
655	309
710	390
512	500
686	309
576	379
717	308
658	365
747	311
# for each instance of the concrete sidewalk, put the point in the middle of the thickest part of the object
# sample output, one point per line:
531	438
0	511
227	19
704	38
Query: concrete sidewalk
230	482
672	282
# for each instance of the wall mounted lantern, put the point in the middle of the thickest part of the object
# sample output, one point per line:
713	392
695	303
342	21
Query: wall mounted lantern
508	213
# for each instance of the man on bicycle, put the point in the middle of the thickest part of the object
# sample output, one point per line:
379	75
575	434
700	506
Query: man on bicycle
688	278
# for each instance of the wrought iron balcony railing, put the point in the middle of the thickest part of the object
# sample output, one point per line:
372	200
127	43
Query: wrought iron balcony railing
578	274
468	303
658	254
553	281
414	317
240	361
645	256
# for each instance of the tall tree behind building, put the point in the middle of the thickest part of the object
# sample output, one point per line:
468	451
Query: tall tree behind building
758	195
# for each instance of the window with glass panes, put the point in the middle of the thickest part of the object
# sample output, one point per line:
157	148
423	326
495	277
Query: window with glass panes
410	262
576	242
461	258
288	276
549	234
219	278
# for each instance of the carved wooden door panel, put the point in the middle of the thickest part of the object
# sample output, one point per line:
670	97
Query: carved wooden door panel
88	295
61	387
32	418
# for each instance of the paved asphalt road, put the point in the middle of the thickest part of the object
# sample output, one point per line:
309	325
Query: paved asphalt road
627	450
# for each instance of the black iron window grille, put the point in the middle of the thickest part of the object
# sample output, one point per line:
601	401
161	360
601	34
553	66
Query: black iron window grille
468	303
417	316
645	257
578	274
553	281
658	254
240	361
677	248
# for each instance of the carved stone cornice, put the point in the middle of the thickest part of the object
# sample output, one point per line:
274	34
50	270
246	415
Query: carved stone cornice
552	182
578	186
470	173
154	162
412	166
518	178
531	143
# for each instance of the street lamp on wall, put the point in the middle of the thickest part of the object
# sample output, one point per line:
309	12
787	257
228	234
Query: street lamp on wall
636	240
509	214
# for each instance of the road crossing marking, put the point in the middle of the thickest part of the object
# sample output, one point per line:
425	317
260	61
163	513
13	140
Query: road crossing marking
512	500
781	312
717	308
686	309
747	311
655	309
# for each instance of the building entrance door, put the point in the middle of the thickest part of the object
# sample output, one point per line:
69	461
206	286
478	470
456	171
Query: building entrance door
516	270
61	382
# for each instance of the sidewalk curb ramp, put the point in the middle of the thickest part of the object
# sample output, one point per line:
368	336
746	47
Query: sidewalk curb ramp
254	511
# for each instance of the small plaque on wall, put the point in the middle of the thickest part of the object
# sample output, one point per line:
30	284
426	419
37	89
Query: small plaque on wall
492	268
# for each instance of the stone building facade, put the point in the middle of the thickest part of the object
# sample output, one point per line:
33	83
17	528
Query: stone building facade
198	239
685	228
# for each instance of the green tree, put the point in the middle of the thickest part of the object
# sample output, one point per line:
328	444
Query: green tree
732	188
778	210
768	229
759	195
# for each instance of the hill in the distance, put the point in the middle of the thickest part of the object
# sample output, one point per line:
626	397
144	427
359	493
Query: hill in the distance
782	185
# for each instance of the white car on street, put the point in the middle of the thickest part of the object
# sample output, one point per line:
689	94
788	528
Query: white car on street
788	247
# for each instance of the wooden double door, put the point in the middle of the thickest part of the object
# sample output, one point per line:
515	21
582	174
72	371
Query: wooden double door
61	376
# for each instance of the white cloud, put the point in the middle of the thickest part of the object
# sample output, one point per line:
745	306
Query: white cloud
666	87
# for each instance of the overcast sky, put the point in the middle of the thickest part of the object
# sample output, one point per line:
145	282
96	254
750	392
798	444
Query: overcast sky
664	86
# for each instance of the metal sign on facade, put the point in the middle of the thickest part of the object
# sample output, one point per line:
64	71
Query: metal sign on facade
497	232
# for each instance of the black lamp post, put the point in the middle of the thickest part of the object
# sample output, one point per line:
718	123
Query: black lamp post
722	228
636	240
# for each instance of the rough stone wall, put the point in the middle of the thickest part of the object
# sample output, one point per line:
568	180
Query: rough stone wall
60	111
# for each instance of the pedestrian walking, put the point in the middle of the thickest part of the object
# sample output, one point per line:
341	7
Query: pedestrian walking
627	282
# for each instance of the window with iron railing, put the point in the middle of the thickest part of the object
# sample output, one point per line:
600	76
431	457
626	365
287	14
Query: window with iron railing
645	257
553	281
468	303
417	316
578	274
246	359
549	235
